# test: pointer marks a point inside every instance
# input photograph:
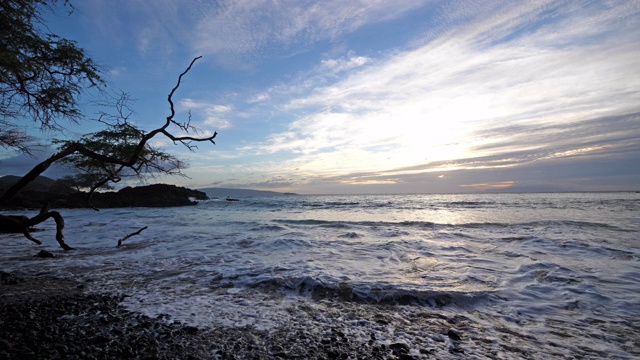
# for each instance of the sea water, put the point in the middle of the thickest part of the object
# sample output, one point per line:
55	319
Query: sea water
515	275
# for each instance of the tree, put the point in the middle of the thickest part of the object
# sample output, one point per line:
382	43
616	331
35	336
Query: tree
41	74
41	77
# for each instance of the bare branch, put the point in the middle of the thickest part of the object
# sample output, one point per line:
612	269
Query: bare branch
130	235
175	88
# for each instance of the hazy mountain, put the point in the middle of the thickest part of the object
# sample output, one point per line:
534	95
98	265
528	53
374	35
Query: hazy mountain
41	183
528	189
239	193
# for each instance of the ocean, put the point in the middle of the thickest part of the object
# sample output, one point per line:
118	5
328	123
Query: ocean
552	275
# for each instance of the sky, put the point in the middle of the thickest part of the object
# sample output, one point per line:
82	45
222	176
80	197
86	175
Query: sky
374	96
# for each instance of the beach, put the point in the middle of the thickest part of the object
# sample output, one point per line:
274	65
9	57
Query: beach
53	318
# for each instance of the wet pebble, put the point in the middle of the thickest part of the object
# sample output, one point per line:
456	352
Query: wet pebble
45	254
71	324
453	335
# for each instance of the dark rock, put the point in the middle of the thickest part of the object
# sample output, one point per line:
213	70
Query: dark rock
276	349
453	335
332	354
190	329
8	278
399	348
45	254
157	195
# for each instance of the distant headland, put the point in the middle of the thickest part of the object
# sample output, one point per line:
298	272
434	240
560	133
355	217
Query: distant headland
240	193
46	190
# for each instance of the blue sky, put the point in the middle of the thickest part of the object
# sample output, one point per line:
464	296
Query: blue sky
380	96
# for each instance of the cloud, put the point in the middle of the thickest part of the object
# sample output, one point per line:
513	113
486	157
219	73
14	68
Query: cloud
117	72
215	115
343	64
21	164
152	28
241	32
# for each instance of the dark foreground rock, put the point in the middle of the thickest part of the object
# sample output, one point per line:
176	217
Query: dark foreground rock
157	195
44	318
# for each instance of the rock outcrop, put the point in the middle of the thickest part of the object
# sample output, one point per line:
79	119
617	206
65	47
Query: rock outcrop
158	195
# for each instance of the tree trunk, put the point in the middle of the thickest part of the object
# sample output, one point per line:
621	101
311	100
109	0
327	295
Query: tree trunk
22	224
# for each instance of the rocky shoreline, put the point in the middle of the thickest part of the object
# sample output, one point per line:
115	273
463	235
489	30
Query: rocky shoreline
50	318
42	317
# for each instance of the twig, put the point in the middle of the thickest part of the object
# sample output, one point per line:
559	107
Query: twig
130	235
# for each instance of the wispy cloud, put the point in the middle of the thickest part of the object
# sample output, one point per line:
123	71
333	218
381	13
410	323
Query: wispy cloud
343	64
152	27
215	115
241	32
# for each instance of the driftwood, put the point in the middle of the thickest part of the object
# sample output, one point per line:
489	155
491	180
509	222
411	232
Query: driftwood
130	235
22	224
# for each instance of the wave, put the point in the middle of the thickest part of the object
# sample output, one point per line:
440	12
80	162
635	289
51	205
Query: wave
323	223
470	204
350	235
346	224
334	203
382	294
268	227
471	225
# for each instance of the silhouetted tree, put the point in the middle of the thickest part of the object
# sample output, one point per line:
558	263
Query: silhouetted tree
41	77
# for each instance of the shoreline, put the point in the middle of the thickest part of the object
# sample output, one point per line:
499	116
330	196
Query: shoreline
53	318
43	317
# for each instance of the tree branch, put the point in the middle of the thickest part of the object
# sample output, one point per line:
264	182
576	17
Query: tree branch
130	235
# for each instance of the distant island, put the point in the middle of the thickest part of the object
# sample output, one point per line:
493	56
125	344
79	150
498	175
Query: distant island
240	193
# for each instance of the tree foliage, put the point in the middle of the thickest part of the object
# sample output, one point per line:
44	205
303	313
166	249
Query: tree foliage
41	74
118	141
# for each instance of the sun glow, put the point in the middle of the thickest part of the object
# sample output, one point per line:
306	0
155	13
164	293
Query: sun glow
369	182
492	185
